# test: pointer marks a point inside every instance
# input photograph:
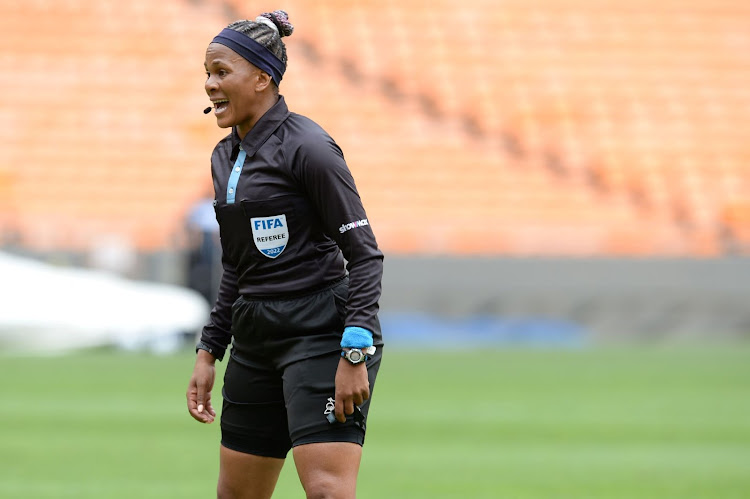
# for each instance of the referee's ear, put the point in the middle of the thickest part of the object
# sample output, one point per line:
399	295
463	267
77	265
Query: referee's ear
263	81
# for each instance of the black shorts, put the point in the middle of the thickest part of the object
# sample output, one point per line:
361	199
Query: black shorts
279	381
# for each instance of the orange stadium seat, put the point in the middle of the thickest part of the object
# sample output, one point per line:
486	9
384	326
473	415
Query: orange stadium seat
736	217
570	127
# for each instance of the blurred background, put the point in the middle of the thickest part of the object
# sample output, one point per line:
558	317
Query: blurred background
579	167
564	174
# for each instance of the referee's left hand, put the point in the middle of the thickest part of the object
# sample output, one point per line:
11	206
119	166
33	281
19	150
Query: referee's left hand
352	388
200	386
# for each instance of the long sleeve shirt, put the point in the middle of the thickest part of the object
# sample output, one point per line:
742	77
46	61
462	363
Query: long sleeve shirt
290	220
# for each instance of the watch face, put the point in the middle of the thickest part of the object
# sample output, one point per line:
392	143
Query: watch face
355	355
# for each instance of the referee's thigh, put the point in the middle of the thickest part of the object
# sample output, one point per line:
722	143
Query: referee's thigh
247	476
328	469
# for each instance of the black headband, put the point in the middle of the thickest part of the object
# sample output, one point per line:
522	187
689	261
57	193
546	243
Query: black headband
254	52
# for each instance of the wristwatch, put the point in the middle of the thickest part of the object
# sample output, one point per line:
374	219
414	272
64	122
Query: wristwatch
203	346
357	355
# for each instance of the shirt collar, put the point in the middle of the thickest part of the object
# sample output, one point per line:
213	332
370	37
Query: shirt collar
266	125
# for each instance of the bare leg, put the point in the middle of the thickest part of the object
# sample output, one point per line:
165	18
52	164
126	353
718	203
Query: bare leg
328	469
245	476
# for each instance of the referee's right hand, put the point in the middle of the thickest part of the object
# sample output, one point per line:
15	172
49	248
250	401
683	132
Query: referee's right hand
199	389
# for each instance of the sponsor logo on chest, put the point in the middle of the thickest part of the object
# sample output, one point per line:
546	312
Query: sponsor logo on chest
270	234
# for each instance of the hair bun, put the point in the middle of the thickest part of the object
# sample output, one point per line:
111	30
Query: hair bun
281	19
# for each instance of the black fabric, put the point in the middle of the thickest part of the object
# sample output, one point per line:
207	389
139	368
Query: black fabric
253	52
293	168
281	373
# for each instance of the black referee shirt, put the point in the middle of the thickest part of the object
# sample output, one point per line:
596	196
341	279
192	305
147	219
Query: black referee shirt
289	213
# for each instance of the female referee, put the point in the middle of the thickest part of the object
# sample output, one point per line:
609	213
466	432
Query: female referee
306	341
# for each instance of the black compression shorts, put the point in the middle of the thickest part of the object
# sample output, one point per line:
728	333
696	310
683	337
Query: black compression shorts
277	395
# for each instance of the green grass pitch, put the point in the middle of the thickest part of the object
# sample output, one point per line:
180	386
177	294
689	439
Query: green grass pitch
599	423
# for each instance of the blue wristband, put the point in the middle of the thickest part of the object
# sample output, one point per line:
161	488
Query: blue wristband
356	337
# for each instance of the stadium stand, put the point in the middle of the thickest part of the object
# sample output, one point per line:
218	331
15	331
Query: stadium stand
562	127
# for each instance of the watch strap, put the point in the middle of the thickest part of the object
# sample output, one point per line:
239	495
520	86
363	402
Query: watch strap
203	346
365	352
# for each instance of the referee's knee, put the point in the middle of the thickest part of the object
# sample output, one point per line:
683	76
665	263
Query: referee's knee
225	490
327	486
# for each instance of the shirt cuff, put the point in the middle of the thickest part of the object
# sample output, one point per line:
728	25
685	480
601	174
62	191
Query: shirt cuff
218	353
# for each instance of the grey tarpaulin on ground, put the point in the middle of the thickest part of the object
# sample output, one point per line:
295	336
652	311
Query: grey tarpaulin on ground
614	299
